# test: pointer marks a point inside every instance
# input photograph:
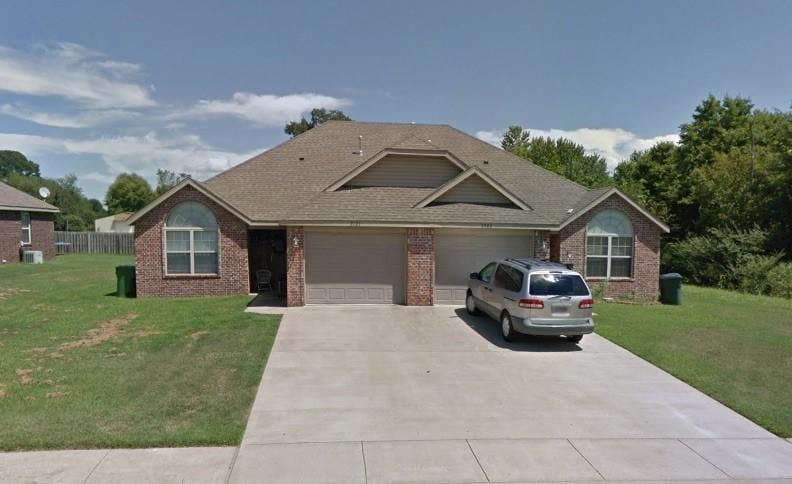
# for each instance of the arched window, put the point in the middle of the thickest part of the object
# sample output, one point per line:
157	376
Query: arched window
191	239
609	245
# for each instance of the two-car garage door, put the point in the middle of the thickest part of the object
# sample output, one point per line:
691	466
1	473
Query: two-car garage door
355	267
460	252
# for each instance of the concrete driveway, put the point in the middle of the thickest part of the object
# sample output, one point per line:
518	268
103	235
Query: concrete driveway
391	394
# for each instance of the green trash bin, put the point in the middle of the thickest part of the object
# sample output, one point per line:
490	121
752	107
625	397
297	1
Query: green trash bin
125	278
671	288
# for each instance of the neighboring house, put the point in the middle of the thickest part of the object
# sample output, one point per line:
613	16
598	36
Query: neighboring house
352	212
26	223
114	223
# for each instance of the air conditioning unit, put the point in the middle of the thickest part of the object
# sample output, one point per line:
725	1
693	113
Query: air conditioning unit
33	257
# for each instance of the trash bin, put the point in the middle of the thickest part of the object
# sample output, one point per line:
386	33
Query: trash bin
671	288
125	278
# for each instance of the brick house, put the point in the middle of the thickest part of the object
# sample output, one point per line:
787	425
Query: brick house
26	223
353	212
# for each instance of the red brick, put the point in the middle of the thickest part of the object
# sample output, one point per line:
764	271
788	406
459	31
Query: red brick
571	242
42	227
420	266
295	266
149	254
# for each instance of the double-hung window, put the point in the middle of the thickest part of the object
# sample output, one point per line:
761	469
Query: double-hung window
26	234
191	240
609	245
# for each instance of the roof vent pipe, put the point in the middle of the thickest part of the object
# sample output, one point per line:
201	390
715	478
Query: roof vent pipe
360	145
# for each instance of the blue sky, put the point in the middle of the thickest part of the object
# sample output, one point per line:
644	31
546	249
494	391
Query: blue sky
97	88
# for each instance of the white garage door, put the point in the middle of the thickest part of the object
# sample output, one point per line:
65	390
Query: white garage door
458	253
354	267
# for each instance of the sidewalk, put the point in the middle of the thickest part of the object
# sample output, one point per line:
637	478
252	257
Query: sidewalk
120	466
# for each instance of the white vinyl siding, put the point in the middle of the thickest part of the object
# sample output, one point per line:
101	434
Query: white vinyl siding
407	171
474	190
460	252
355	267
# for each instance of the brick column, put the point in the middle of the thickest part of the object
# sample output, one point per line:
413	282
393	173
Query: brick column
420	267
295	266
555	247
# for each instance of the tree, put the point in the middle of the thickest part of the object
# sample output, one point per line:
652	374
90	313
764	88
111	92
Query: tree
128	193
167	179
76	211
731	169
16	162
560	155
318	116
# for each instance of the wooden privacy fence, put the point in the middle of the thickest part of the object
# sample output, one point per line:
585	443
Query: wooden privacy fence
94	243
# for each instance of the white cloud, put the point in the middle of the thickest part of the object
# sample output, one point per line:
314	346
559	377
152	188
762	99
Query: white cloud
73	72
262	109
613	144
82	119
136	154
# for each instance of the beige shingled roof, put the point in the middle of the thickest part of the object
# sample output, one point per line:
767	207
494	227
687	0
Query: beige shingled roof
13	199
288	183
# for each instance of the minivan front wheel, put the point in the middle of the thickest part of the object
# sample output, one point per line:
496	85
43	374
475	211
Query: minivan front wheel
470	305
506	327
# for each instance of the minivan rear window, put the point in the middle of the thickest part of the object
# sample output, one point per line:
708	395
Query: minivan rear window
558	285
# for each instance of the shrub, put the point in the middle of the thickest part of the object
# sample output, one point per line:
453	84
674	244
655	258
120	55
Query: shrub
730	259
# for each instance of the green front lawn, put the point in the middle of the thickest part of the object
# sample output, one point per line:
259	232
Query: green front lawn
735	347
80	367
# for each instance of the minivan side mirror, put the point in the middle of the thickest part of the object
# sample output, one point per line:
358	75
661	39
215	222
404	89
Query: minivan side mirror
475	275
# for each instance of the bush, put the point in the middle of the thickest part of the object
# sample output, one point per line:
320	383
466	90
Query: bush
730	259
781	280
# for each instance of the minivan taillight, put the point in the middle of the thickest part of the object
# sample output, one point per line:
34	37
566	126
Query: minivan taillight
531	303
586	304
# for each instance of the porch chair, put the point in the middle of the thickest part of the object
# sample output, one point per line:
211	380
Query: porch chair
264	280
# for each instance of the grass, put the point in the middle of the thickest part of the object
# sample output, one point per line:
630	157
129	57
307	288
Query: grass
735	347
81	368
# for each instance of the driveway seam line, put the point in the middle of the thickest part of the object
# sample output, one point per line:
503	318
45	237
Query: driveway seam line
586	459
365	468
232	464
706	460
477	460
96	466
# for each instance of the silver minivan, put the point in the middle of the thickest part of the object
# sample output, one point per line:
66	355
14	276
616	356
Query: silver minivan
534	297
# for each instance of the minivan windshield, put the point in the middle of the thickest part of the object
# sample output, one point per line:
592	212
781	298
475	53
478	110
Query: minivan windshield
558	285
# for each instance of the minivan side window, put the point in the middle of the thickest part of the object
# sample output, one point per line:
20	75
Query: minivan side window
508	278
485	274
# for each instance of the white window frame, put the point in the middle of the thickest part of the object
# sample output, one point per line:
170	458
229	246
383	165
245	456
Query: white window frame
191	252
609	256
26	228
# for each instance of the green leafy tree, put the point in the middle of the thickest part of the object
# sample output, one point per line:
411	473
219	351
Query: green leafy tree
128	193
167	179
16	162
318	116
731	169
77	213
560	155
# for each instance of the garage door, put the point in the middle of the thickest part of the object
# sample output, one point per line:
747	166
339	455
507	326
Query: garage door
358	267
458	253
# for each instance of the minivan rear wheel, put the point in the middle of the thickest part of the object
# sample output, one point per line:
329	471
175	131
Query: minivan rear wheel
506	327
575	339
470	305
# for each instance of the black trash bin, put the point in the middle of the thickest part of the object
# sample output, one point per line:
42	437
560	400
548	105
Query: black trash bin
671	288
125	281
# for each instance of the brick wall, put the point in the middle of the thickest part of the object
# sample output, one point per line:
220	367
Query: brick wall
646	254
42	228
149	256
295	266
420	267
